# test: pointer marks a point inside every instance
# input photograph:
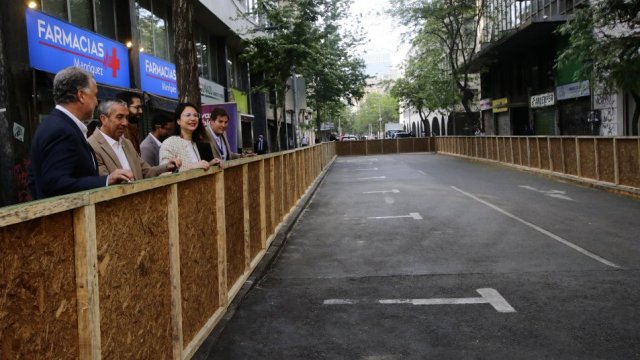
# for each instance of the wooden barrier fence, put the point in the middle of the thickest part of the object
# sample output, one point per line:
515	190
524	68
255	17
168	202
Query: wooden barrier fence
613	162
386	146
142	270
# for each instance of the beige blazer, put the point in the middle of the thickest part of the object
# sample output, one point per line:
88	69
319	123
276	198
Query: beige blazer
225	143
108	160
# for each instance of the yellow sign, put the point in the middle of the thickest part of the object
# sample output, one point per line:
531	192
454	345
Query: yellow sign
240	98
499	105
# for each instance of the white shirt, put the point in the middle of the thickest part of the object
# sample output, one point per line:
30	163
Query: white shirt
81	125
118	149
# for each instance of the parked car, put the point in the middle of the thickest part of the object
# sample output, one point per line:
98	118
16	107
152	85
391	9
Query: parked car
401	134
349	138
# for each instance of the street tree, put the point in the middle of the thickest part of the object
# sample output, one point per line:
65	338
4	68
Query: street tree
451	25
376	110
604	38
425	84
185	52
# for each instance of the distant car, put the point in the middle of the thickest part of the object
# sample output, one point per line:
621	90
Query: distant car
349	138
401	134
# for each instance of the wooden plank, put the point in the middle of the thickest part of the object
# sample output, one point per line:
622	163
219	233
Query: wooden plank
272	199
579	166
263	208
616	167
221	240
202	335
88	295
246	217
174	272
18	213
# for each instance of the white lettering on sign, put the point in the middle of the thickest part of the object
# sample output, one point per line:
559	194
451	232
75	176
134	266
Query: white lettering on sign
542	100
170	88
159	70
95	70
59	36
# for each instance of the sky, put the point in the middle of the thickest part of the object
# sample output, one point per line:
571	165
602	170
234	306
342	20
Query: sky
384	43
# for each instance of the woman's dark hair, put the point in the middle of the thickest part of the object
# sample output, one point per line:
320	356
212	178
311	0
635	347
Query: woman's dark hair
199	134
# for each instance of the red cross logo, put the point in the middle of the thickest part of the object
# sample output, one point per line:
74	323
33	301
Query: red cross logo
112	62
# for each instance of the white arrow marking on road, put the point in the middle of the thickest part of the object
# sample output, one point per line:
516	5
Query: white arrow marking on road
487	296
382	191
371	178
411	215
558	194
541	230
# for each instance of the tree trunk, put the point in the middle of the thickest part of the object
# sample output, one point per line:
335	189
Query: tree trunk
7	181
185	52
635	119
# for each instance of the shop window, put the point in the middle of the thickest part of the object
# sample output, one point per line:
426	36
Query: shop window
106	21
203	52
81	14
154	29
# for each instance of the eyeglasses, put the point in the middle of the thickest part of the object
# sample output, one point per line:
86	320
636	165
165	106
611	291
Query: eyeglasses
190	115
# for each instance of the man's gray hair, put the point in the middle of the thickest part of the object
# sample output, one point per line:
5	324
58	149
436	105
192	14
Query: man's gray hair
67	82
104	108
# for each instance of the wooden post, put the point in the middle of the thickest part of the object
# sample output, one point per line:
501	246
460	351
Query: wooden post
88	295
174	270
616	170
263	208
246	217
549	153
221	239
564	171
595	149
578	165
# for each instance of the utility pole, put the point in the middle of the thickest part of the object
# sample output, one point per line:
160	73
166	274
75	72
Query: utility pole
294	122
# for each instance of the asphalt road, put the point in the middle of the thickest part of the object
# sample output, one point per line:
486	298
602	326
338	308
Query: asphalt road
423	256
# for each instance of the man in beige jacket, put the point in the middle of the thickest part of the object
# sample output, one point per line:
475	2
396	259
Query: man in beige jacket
114	151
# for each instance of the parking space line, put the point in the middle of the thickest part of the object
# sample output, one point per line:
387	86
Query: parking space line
559	239
372	178
415	216
382	191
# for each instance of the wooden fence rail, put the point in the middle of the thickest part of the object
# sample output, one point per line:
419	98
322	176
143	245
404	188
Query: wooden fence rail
142	270
613	162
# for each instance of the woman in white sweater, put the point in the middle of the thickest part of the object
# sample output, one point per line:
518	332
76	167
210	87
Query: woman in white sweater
189	138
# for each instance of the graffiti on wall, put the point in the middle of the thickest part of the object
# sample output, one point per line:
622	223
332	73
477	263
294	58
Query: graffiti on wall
606	102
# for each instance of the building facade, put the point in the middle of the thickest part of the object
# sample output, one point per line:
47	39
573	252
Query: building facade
128	46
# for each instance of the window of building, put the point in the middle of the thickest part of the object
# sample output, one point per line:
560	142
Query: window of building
203	52
153	25
95	15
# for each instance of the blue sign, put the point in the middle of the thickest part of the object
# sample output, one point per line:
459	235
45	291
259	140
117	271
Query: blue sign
55	45
158	76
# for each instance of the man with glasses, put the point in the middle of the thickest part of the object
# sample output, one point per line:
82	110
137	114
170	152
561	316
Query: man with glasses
136	113
62	161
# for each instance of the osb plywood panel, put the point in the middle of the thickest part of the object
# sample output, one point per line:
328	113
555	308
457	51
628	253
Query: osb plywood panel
510	147
234	223
587	158
482	148
343	148
522	150
134	276
628	171
405	145
556	154
38	315
198	253
501	150
605	160
268	186
570	156
544	154
389	146
358	147
421	144
278	189
289	187
255	226
373	147
491	149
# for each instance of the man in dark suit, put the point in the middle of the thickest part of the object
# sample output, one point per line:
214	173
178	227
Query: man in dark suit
260	147
62	161
114	151
217	125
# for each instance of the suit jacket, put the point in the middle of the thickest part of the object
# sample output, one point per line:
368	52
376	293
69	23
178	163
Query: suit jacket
150	150
256	147
225	143
108	160
62	161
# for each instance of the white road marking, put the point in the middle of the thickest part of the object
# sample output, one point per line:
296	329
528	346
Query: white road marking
541	230
382	191
411	215
487	296
389	200
371	178
365	169
558	194
422	172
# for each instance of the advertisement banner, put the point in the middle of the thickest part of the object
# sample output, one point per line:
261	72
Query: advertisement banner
55	45
574	90
500	105
543	100
234	121
158	76
211	92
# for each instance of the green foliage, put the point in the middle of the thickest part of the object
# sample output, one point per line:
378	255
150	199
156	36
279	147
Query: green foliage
443	33
375	107
605	39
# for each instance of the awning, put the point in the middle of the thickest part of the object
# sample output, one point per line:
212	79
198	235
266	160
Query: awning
110	92
518	40
160	102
